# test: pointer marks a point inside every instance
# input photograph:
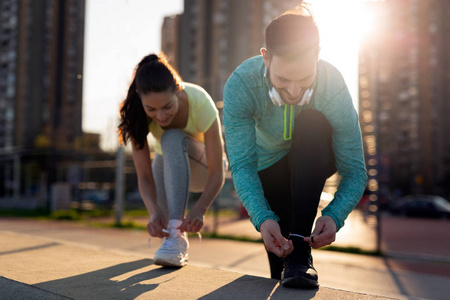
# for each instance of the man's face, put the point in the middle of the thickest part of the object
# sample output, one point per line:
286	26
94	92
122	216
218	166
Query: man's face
291	77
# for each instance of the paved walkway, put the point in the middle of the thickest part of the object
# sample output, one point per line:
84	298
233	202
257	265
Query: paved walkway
39	268
65	259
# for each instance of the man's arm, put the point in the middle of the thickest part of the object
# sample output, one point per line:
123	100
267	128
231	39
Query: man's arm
241	144
240	138
349	155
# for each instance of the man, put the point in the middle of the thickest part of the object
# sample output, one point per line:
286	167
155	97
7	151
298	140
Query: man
289	125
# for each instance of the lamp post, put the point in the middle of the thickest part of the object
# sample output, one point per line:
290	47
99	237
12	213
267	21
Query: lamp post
119	185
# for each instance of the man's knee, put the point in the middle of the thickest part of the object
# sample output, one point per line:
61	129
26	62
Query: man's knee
311	119
312	143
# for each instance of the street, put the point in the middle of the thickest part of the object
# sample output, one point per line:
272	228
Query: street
351	272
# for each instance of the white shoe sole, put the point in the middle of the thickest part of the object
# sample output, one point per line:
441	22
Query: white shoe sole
170	261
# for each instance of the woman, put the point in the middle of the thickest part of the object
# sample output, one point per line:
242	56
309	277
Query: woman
184	121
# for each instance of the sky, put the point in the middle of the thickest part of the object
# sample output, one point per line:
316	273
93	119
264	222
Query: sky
118	33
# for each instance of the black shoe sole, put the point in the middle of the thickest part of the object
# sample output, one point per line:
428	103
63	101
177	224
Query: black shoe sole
300	283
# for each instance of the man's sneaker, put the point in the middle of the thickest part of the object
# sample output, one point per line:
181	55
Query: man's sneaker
298	270
173	251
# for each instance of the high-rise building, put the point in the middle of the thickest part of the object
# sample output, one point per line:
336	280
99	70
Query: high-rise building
169	38
404	97
215	36
42	63
41	67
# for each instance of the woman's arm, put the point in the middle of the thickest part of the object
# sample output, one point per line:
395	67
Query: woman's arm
214	157
147	189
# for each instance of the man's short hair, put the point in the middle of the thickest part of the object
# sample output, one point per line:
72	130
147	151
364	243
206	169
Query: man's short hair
294	32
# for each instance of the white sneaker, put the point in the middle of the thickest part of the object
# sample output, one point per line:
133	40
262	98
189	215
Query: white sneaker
173	251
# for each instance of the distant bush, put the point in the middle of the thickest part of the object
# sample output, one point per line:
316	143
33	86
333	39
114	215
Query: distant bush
65	215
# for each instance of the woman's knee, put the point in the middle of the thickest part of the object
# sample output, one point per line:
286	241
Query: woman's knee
172	138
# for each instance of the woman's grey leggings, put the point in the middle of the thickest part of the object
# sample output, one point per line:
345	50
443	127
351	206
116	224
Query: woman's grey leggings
181	168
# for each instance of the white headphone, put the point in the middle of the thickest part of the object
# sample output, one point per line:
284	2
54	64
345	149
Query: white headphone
275	96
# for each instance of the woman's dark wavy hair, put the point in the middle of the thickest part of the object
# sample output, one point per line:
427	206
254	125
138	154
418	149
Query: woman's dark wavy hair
152	75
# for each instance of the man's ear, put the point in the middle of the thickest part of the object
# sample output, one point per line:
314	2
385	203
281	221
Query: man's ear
265	57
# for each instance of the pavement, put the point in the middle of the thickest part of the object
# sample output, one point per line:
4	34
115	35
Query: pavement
68	260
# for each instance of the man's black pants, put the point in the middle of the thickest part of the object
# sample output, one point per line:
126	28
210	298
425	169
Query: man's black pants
293	185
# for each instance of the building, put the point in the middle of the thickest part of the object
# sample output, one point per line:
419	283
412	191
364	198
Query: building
41	68
169	39
215	36
404	97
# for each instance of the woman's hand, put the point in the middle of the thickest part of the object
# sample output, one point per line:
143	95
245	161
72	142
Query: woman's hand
194	220
157	223
143	164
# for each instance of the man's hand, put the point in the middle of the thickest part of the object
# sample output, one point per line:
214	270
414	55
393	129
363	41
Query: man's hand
274	240
324	232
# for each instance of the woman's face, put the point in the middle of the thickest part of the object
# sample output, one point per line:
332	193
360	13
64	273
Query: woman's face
161	107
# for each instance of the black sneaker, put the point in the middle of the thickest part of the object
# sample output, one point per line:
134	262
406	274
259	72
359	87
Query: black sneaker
298	270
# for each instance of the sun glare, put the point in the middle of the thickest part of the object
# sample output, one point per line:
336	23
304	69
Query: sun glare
344	21
342	26
364	20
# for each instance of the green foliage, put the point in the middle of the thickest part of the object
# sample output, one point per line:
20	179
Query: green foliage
228	237
354	250
24	213
71	215
128	225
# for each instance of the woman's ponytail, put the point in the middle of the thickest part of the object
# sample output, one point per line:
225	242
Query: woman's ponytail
134	122
152	74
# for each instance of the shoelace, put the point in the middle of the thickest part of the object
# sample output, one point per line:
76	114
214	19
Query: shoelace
297	235
198	234
171	240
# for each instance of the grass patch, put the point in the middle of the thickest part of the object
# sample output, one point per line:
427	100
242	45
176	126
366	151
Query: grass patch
71	214
128	225
136	213
97	213
222	212
353	250
227	237
68	215
24	213
122	225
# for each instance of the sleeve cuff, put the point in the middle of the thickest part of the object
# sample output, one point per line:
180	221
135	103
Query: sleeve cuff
339	224
258	223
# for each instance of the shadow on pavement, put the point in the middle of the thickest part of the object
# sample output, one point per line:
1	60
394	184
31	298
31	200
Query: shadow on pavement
101	284
30	248
258	288
395	278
